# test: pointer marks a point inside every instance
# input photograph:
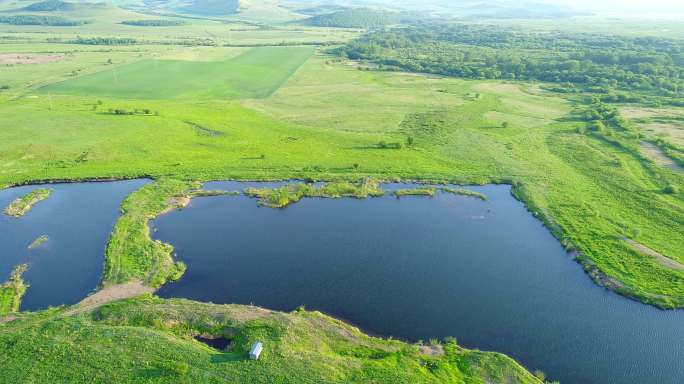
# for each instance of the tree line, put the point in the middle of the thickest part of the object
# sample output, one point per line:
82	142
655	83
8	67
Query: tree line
619	67
154	23
355	18
104	40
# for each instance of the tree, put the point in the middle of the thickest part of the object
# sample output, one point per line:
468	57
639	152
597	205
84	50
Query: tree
597	126
505	124
409	141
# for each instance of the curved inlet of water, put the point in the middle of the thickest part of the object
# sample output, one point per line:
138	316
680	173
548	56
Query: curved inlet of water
77	220
486	272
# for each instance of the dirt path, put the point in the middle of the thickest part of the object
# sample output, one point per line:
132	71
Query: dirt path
663	260
108	295
100	298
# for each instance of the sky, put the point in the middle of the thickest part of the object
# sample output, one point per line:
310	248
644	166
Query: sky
626	6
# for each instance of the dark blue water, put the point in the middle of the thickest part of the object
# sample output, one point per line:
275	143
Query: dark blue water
419	268
78	219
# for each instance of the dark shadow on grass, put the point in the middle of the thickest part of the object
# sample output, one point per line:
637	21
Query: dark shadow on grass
228	357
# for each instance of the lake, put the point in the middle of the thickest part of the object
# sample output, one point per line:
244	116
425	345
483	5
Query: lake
486	272
78	219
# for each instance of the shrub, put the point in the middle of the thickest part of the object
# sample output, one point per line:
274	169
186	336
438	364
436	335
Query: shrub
671	189
539	374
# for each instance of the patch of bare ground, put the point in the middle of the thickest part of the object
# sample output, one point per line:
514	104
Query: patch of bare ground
175	203
643	113
431	350
674	132
7	319
656	154
662	259
110	294
22	58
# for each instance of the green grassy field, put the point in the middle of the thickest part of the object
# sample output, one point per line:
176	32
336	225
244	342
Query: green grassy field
256	73
299	347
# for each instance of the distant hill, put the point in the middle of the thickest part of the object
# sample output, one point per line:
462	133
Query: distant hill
49	6
355	18
320	10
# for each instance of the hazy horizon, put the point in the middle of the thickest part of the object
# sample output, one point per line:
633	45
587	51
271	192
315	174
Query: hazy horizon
634	8
653	7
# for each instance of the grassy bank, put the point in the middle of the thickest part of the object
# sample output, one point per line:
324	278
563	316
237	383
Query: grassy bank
299	347
464	192
289	194
12	291
430	191
415	192
23	205
131	253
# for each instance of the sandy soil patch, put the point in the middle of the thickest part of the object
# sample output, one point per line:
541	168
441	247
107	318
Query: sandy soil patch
175	203
656	154
672	131
110	294
22	58
662	260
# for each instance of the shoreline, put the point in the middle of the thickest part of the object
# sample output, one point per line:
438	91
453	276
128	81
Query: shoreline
517	189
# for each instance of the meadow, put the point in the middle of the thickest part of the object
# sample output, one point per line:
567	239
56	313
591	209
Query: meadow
249	75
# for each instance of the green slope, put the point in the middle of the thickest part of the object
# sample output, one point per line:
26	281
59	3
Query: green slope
151	340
